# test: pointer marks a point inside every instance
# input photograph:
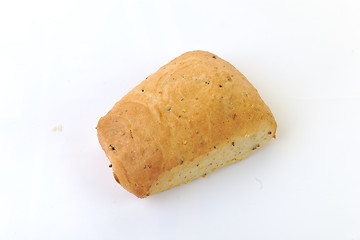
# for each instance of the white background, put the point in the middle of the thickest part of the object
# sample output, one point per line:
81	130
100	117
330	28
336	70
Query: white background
68	62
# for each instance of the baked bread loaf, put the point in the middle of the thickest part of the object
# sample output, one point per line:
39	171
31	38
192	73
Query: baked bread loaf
194	115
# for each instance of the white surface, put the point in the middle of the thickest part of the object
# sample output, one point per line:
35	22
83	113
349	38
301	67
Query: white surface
68	62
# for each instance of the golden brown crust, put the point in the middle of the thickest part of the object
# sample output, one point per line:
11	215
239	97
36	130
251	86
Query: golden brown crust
184	110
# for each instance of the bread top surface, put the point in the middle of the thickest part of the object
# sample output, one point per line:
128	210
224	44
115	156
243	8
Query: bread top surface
182	111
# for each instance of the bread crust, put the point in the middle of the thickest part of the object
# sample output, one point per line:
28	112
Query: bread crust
186	109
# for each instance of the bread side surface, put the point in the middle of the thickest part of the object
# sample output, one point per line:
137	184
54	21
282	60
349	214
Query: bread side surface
183	112
229	152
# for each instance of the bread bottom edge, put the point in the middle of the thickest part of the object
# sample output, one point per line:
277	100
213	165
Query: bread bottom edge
232	151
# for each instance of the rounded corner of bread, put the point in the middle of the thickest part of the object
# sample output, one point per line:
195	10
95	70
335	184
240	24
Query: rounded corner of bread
134	186
194	115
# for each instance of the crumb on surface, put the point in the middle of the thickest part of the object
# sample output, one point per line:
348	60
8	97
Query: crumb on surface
57	128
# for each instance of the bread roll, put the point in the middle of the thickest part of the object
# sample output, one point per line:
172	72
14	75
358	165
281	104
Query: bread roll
194	115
